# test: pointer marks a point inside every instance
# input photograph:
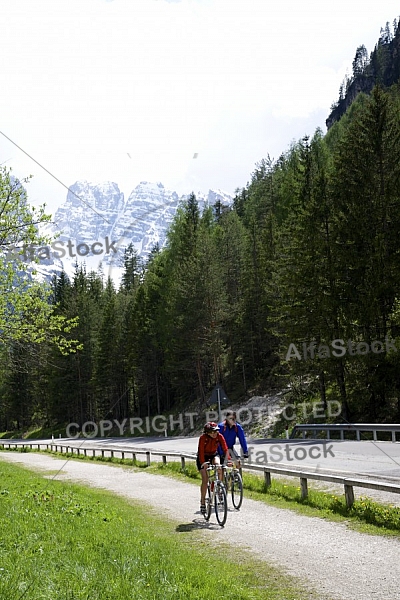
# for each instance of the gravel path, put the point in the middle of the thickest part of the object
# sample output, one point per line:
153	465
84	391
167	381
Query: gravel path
337	562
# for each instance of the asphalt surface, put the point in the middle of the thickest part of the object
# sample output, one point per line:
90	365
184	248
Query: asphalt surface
365	458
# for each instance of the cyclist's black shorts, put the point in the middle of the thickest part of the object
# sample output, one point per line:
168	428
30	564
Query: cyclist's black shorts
232	453
207	458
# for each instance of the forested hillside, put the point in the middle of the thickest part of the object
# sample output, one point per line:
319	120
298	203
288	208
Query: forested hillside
298	283
381	67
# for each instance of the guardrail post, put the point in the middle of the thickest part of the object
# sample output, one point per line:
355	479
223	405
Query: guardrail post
133	457
148	458
375	436
182	463
267	478
164	459
358	435
349	494
393	436
304	488
122	455
341	434
102	454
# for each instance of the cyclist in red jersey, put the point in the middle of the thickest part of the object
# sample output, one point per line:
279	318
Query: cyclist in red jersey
207	452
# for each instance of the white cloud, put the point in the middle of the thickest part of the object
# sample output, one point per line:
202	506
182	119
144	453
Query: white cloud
87	81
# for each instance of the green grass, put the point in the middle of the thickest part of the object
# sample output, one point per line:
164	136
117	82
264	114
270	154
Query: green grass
68	542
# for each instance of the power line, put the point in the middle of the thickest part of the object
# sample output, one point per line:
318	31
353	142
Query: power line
54	177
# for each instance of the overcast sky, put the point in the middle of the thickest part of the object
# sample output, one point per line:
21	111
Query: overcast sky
130	90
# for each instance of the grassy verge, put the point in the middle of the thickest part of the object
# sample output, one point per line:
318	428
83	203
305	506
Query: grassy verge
65	541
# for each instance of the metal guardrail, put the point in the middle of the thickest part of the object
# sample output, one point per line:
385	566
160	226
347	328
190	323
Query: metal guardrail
344	428
348	483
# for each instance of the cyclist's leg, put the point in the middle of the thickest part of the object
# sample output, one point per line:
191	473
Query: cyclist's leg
204	481
203	489
235	457
216	461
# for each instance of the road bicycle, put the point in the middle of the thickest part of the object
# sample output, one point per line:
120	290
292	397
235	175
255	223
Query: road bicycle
216	496
233	484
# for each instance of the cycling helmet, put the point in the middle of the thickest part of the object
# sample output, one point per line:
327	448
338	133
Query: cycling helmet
210	426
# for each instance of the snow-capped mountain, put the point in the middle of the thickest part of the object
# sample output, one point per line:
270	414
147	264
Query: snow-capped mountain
95	224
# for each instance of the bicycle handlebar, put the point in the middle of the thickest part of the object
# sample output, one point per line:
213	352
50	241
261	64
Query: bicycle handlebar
212	467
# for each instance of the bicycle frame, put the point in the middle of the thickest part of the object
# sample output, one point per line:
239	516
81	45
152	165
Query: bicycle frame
216	495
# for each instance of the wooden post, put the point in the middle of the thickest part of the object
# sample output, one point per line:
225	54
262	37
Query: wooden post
349	494
267	478
304	488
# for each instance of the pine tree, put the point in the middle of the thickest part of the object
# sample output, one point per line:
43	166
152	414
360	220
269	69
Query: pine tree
366	175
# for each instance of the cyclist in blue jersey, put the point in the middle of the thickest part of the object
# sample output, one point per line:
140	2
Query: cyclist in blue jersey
230	429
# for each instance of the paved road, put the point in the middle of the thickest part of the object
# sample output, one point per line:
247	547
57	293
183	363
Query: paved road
364	459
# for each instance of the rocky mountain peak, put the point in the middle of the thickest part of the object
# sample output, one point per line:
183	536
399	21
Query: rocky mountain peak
99	223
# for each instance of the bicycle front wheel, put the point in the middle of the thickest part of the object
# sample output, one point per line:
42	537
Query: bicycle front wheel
221	504
236	490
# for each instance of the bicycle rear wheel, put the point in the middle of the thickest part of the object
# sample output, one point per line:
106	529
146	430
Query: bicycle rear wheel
221	504
236	490
207	514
